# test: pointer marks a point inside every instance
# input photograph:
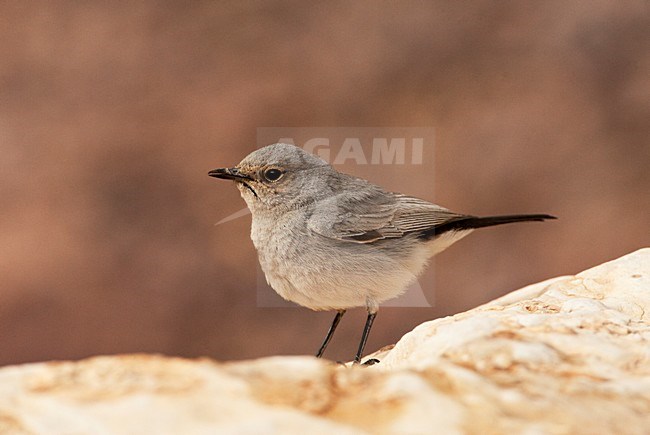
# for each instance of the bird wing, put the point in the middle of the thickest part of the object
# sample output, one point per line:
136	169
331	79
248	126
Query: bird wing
370	214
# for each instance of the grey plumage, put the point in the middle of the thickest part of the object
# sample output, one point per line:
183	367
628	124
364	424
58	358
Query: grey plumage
330	241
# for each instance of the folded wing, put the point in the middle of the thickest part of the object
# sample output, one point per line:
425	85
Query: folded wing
371	214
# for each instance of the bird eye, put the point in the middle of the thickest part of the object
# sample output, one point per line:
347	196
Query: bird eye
272	174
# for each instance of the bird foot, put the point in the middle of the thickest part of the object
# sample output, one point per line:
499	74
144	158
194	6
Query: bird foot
369	362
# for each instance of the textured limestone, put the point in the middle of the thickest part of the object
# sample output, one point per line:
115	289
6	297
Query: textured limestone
568	355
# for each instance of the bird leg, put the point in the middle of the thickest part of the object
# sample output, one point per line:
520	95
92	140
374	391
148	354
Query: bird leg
364	337
330	333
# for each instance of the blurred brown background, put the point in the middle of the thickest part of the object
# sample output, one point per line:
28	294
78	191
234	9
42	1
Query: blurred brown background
111	114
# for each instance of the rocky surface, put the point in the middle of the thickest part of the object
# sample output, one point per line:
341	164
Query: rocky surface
568	355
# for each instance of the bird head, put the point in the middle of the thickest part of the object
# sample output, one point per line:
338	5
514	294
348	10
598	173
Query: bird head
278	176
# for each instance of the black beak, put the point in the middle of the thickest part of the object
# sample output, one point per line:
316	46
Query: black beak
228	174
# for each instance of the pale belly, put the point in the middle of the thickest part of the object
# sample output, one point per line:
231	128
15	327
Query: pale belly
325	274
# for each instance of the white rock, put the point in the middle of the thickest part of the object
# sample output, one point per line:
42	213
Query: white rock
568	355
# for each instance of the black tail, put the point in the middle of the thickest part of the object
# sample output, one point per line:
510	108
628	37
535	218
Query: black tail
473	222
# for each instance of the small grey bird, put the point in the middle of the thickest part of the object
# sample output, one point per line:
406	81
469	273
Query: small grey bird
330	241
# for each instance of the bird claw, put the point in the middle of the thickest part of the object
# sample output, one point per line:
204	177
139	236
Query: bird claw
369	362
